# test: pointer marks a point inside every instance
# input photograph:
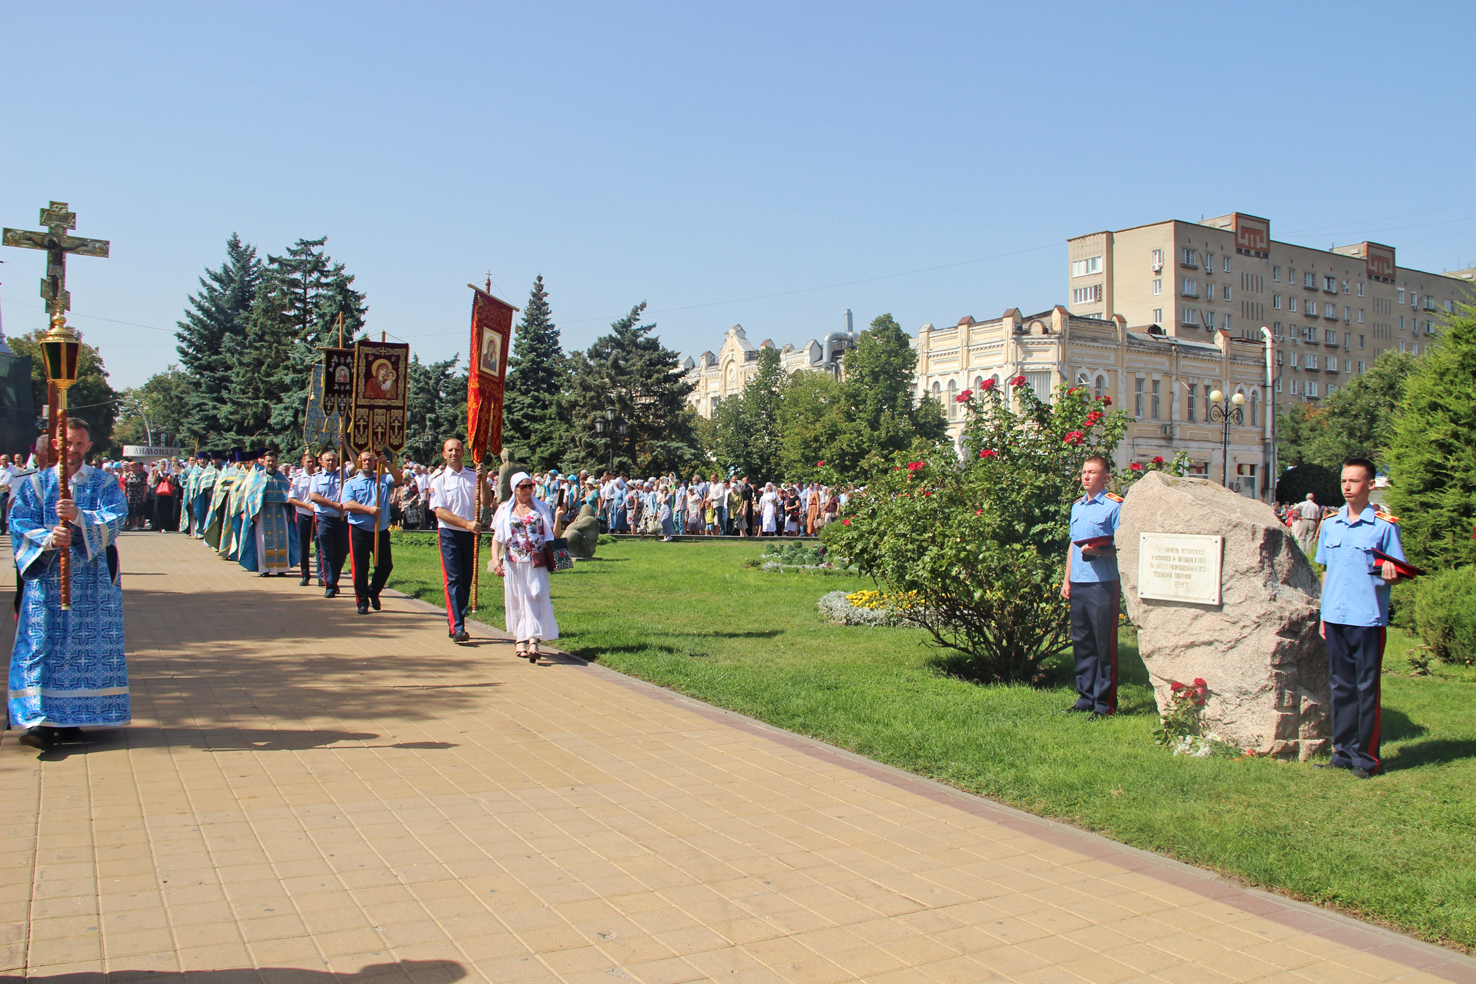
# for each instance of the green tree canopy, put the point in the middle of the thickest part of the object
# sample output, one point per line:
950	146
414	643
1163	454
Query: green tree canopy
747	433
631	372
1357	421
536	376
435	406
1432	470
164	399
216	313
90	397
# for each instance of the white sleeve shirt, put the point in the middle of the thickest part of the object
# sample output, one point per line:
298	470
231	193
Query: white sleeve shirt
455	491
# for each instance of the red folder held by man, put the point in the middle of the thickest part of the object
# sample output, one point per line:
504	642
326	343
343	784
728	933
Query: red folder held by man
1401	567
1094	541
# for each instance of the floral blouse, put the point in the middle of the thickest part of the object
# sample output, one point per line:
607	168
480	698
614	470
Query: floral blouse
528	536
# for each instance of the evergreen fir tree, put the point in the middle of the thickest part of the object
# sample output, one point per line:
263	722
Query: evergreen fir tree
255	393
536	374
217	313
630	371
435	406
1433	474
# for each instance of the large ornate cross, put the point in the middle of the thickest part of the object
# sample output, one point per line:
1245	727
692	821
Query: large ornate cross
57	244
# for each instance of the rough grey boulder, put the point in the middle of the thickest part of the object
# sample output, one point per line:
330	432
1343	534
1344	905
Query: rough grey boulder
1259	649
583	535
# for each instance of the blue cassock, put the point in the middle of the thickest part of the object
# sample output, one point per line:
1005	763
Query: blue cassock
269	526
67	668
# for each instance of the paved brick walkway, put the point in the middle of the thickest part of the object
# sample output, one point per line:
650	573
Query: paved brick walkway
307	792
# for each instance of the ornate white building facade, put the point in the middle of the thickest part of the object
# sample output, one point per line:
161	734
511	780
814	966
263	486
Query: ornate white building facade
719	376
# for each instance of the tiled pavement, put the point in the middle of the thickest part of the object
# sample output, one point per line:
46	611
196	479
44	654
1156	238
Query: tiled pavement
306	792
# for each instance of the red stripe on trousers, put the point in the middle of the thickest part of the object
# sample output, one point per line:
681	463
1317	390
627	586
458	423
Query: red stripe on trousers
1112	647
353	577
1373	741
446	587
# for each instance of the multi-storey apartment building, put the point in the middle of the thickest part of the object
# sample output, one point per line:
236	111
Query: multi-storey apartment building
1331	312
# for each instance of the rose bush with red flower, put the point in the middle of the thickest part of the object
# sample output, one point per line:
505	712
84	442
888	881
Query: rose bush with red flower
984	540
989	384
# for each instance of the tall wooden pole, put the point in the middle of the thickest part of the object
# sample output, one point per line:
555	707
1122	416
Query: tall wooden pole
477	550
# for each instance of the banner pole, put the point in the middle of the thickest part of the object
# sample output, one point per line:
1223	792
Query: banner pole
477	550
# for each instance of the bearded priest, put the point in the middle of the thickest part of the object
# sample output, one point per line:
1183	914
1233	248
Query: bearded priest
67	669
269	521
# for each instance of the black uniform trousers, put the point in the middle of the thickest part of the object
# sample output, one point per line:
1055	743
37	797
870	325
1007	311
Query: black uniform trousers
333	547
1094	644
361	558
456	573
305	535
1355	656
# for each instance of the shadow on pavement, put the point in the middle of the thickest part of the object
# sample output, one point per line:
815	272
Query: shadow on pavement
409	971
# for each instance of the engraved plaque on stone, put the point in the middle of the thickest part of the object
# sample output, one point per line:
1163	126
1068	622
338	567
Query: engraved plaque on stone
1180	567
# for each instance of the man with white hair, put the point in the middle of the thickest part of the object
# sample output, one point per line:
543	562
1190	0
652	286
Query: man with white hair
1304	527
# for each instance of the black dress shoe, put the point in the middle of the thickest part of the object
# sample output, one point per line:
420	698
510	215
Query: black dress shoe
1096	716
1330	765
303	583
462	636
70	736
1361	773
41	737
363	608
374	601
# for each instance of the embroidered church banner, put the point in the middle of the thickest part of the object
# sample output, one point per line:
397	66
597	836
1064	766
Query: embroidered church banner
491	334
380	387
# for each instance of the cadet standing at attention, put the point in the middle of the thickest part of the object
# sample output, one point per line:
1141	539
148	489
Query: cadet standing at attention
1355	616
1092	586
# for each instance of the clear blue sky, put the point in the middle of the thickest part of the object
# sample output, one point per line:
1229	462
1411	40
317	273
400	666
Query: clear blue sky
762	164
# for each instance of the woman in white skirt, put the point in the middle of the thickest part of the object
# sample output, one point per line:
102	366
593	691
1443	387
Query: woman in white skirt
522	547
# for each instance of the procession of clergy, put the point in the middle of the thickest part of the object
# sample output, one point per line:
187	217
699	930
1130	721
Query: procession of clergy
68	667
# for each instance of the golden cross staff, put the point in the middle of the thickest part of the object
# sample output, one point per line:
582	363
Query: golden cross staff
61	346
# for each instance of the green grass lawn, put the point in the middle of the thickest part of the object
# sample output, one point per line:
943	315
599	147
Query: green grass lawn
1398	849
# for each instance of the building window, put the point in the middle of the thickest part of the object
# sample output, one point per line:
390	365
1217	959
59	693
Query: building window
1157	402
1276	274
1360	341
1225	324
1138	397
1361	365
1276	302
1347	313
1329	310
1040	384
978	385
1158	285
1086	267
1310	389
952	399
1255	405
1100	386
1401	295
1209	262
1189	288
1311	360
1360	316
1360	288
1291	304
1157	260
1278	384
1227	263
1209	291
1190	258
1401	322
1086	295
938	391
1330	284
1190	317
1276	329
1189	409
1330	337
1158	316
1309	280
1227	292
1296	387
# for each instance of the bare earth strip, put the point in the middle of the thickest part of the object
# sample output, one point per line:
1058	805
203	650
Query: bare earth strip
307	794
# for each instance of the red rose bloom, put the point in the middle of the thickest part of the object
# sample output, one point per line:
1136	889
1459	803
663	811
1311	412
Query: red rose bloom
1137	466
1073	437
1158	459
1106	401
819	464
845	522
1018	381
989	384
965	396
1093	417
988	453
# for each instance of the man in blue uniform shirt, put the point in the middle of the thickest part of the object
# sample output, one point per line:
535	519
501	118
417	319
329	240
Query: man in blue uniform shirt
366	503
326	494
1092	586
1355	614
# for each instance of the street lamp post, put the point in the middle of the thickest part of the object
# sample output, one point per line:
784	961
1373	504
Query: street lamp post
609	422
1226	412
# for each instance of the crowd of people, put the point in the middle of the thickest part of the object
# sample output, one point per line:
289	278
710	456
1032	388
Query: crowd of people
669	506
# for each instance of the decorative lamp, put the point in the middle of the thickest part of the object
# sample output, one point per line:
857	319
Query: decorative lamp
600	425
1217	396
61	347
1238	399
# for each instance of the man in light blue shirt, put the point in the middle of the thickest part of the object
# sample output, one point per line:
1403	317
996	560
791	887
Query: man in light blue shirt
326	495
1355	614
366	503
1092	586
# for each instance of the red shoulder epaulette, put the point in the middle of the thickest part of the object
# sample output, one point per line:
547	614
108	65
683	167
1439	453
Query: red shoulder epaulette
1113	496
1386	517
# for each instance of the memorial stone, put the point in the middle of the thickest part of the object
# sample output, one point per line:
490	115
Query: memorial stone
1219	590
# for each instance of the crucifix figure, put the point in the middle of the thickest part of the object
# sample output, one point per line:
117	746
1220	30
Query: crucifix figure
57	244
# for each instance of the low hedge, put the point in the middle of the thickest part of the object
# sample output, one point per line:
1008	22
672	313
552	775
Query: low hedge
1445	613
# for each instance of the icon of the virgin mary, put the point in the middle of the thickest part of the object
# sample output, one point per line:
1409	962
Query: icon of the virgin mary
381	382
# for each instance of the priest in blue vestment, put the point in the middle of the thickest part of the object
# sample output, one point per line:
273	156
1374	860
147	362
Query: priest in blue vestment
67	669
269	522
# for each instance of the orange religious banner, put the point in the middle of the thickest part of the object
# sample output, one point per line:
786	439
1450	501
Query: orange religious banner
491	334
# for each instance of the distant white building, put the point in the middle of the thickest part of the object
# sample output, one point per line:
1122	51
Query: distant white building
717	377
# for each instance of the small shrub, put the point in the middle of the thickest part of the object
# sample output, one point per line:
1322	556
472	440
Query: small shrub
1445	614
605	540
